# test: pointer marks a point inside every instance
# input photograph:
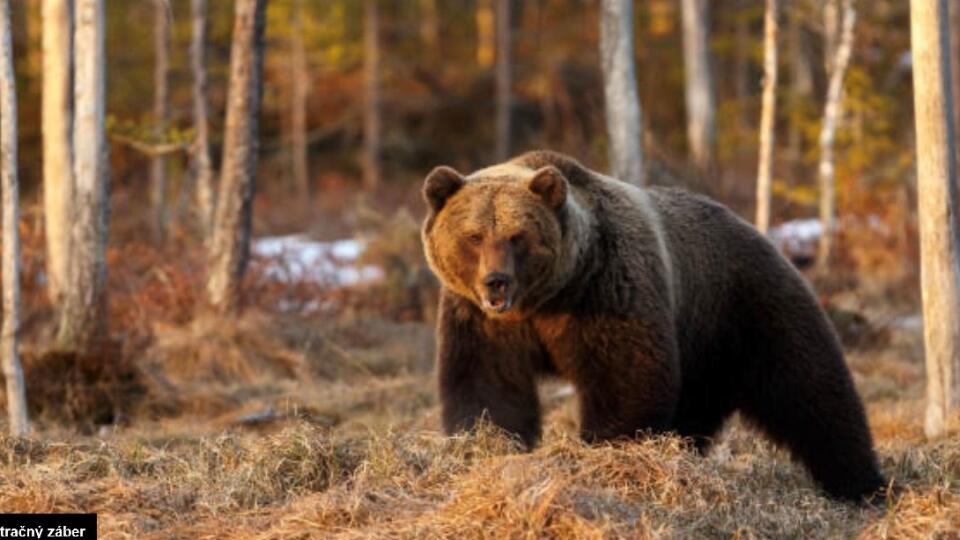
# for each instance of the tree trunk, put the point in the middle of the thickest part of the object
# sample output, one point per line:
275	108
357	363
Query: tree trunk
504	78
701	102
57	117
954	8
486	38
33	28
831	31
230	248
161	100
298	124
743	85
371	87
937	201
831	115
429	28
768	117
200	160
83	319
801	81
10	332
620	90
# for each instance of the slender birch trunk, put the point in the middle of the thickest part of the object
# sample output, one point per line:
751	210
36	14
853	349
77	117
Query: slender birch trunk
202	169
10	332
161	100
767	117
83	319
504	78
937	200
371	113
701	101
57	118
833	110
230	246
623	115
954	8
298	104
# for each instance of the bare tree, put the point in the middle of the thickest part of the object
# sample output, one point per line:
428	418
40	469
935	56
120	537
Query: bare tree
697	63
32	22
833	110
742	50
161	106
954	8
429	26
801	76
767	117
298	105
83	320
201	167
371	86
57	119
230	247
937	199
831	33
486	38
624	122
10	332
504	78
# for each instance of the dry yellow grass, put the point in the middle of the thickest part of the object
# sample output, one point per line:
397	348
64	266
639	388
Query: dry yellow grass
333	434
310	482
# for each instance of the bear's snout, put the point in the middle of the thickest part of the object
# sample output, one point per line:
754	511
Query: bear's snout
497	282
498	291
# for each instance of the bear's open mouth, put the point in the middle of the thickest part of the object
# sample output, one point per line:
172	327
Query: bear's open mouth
497	305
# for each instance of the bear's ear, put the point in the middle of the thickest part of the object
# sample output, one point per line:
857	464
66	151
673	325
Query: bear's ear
440	185
550	185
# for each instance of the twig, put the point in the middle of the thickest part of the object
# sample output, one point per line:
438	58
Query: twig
150	149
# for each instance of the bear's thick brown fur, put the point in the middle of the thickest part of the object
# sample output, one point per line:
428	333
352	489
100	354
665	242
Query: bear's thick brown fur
665	310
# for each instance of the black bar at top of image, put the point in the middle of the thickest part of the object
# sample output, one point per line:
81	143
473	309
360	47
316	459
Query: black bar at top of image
47	526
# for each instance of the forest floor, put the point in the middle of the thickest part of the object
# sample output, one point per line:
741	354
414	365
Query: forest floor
295	420
309	430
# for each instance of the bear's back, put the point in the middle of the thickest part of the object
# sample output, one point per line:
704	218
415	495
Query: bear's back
729	277
714	259
714	244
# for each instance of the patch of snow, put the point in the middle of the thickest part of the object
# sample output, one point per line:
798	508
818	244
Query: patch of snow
799	230
912	323
877	224
905	61
798	237
346	249
297	259
291	306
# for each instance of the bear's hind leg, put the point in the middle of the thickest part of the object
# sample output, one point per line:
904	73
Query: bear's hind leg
801	394
700	420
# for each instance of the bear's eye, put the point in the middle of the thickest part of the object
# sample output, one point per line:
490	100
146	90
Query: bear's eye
475	239
517	240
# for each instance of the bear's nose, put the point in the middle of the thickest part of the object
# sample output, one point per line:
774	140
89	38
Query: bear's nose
497	282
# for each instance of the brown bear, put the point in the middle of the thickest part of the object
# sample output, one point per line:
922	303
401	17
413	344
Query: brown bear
665	310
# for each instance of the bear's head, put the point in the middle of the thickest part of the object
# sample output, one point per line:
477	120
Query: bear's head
496	237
